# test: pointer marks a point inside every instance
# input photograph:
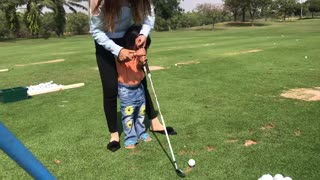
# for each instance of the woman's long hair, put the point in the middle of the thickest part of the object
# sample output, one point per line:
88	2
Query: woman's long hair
139	9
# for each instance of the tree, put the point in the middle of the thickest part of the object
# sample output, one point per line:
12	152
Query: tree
233	7
9	8
215	12
285	7
266	9
4	31
236	7
255	6
77	23
48	24
60	13
314	6
165	10
34	9
32	15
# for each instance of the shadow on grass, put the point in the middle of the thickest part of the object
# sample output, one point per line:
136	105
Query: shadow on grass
8	40
164	150
147	124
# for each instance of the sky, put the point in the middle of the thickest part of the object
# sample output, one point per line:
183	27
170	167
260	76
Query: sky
189	5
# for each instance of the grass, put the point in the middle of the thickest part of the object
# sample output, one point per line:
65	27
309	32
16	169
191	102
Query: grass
215	105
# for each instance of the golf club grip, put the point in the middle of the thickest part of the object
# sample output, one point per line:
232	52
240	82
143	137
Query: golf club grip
147	67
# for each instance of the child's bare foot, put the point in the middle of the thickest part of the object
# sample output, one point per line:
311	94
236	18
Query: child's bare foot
148	139
130	146
145	137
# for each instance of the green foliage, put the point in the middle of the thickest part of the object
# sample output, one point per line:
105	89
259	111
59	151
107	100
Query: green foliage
11	17
190	19
161	24
314	6
214	12
284	8
4	30
77	23
48	24
166	14
32	18
60	19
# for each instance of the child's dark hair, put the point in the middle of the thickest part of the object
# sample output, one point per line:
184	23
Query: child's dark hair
130	37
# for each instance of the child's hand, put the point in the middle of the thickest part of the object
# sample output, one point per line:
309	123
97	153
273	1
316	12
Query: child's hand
141	56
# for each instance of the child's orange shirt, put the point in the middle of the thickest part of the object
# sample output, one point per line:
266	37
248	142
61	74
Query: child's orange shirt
130	73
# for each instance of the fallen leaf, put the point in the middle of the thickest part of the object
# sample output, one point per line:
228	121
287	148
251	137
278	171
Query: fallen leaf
210	148
297	133
268	126
250	143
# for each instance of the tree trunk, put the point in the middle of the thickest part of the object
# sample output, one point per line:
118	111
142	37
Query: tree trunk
243	15
213	22
235	15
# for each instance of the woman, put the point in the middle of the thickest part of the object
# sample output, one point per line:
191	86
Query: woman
109	21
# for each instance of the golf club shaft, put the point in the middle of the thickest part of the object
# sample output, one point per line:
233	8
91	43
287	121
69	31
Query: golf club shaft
161	117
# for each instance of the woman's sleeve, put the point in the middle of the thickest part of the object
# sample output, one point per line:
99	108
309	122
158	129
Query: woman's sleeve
96	29
148	23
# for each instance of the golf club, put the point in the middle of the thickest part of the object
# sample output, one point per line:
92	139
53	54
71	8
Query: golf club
178	171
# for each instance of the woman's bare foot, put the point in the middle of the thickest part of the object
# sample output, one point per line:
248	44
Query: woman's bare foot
155	125
114	137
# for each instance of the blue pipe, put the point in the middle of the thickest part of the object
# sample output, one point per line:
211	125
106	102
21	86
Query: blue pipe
22	156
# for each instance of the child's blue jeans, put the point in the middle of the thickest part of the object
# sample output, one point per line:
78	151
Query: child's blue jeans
132	107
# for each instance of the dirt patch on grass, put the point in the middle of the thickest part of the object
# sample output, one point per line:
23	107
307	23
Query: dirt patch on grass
305	94
249	143
155	68
4	70
243	52
187	63
44	62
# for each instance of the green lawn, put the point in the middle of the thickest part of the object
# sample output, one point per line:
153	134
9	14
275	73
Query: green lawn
215	105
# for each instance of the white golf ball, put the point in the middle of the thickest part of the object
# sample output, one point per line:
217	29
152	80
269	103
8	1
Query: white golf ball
287	178
267	177
191	162
278	177
306	57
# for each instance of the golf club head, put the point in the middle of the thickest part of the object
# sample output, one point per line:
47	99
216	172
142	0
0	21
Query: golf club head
180	173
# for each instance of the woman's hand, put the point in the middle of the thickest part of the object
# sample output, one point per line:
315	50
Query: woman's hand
126	55
141	41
